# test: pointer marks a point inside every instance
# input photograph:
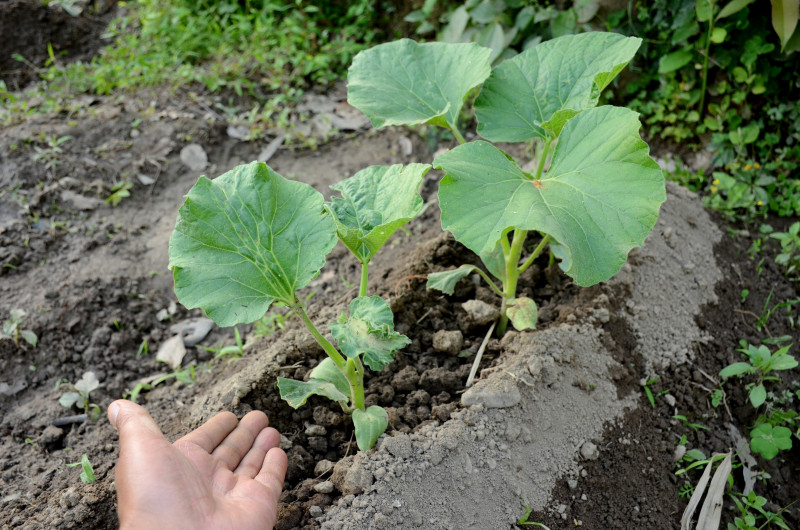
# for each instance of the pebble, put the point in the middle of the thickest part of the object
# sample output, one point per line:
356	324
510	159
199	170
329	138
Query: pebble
315	511
448	341
323	467
193	330
589	451
572	483
194	157
480	313
324	487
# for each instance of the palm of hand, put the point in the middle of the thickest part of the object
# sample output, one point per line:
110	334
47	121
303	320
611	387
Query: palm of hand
225	474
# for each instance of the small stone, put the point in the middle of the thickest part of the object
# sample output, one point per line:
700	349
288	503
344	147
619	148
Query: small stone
584	497
324	487
286	443
316	430
448	341
670	399
589	451
172	351
69	498
680	451
480	313
323	467
572	484
315	511
50	436
194	157
493	393
193	330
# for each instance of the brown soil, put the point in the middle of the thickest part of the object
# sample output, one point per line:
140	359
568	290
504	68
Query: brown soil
93	279
28	26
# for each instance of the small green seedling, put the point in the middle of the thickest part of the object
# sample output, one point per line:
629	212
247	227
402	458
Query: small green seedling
144	349
50	155
760	361
87	473
649	392
251	237
767	440
592	201
78	394
753	515
12	329
119	191
232	351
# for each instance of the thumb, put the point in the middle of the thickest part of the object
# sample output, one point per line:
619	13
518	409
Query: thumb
132	421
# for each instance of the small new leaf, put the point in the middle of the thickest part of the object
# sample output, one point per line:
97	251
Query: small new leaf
523	313
296	393
327	371
446	281
375	202
369	425
369	330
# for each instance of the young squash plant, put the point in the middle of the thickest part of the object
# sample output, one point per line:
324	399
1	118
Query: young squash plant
251	237
595	192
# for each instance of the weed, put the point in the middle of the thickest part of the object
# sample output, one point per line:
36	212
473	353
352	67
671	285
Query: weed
648	392
752	512
78	394
760	361
50	155
232	351
523	521
87	472
119	191
144	349
12	329
789	256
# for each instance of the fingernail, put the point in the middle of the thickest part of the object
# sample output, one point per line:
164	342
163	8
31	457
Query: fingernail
113	412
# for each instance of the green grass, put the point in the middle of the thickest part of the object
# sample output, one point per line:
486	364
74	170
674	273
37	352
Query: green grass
269	50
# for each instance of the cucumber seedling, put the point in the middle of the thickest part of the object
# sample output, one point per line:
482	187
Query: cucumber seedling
250	238
595	192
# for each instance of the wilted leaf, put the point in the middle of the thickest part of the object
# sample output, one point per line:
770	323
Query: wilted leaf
296	393
369	330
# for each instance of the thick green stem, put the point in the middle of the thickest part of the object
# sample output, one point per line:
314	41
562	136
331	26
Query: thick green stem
457	134
542	159
512	275
538	250
351	368
490	282
332	352
354	372
362	290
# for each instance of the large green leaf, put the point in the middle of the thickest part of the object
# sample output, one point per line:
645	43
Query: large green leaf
375	202
785	15
536	92
599	199
245	239
369	330
404	83
296	393
369	425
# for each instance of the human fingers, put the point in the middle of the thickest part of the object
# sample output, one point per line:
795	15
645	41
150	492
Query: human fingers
209	435
254	459
273	471
132	421
237	444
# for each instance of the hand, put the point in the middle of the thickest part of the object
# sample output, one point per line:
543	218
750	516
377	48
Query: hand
225	474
